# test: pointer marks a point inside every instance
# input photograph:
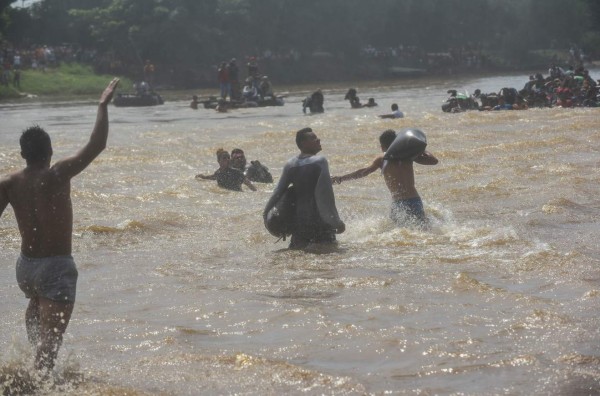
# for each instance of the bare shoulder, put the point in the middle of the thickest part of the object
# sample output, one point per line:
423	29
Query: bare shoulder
60	169
7	181
6	185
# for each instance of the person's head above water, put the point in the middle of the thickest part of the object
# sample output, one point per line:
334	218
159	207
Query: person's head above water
394	107
386	139
238	159
307	141
36	146
223	158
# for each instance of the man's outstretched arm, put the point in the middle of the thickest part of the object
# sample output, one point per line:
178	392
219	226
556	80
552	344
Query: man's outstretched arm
357	174
72	166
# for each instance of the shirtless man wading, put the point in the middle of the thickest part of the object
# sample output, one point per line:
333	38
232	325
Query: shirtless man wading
399	178
40	196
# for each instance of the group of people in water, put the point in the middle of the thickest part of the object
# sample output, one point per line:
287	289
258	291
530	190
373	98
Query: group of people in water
315	220
573	87
314	103
40	197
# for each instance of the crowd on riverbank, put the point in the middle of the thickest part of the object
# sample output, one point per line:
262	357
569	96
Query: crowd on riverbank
13	59
573	87
284	65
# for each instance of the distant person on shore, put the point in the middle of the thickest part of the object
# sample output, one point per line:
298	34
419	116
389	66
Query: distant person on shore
224	81
226	176
399	176
252	67
40	196
316	220
234	79
149	73
396	113
256	172
17	79
194	103
5	75
314	102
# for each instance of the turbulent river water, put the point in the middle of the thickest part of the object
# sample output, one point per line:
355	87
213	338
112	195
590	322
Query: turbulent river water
183	292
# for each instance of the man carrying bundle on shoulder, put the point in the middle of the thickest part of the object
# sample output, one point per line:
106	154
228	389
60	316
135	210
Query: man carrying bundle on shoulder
396	164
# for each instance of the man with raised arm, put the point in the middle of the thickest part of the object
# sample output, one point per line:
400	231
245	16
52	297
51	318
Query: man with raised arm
40	196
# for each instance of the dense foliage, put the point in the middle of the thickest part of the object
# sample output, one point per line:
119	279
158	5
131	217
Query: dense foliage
192	35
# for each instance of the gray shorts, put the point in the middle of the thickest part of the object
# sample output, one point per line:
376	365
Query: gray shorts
54	278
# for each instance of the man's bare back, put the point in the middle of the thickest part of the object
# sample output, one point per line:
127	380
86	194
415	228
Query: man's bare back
40	194
42	204
399	178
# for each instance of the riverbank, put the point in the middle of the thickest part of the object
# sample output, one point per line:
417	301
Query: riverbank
66	81
79	82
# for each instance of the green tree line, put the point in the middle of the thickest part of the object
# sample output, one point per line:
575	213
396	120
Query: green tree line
186	38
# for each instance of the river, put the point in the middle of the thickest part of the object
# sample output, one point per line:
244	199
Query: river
183	292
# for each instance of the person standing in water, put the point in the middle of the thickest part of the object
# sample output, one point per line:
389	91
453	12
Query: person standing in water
40	196
194	103
399	176
316	220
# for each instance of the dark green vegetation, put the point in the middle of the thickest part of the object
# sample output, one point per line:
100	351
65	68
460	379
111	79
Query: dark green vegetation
309	40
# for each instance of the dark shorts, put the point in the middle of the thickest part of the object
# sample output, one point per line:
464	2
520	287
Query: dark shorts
54	278
409	212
